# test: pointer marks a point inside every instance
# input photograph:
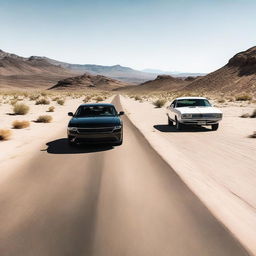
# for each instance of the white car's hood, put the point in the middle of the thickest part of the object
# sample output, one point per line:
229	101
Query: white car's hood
199	110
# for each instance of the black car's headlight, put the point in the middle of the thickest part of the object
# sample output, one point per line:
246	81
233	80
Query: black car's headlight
72	129
117	128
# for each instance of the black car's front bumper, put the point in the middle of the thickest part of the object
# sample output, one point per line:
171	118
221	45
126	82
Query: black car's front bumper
96	135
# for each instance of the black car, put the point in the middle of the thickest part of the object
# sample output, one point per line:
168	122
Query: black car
96	123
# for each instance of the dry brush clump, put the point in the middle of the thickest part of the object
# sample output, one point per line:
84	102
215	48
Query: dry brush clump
61	101
253	135
20	109
51	109
159	103
42	101
243	97
253	115
5	134
98	98
17	124
44	119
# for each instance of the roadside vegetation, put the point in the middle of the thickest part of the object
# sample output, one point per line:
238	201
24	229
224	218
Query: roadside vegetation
44	119
20	124
159	103
5	134
20	109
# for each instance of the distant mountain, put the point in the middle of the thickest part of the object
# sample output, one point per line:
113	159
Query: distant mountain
20	72
121	73
238	75
86	81
161	83
173	73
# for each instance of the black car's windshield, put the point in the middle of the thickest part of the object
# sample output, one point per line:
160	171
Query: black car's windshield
192	103
94	111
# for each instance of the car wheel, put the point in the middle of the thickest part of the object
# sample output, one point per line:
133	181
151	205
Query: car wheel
215	127
178	125
170	122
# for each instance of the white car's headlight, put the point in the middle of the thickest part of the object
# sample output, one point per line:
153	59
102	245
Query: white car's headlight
72	129
186	116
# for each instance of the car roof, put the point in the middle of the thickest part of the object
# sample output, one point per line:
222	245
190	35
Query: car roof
186	98
97	104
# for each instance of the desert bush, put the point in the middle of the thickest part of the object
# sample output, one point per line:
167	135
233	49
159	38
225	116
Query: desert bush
56	98
44	119
33	97
253	115
86	99
20	109
243	97
159	103
44	94
51	109
99	98
42	101
20	124
253	135
221	101
136	97
5	134
13	102
246	115
61	102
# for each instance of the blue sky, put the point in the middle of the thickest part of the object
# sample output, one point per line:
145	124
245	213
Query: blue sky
181	35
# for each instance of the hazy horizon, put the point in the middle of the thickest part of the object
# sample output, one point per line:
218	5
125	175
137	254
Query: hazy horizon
185	36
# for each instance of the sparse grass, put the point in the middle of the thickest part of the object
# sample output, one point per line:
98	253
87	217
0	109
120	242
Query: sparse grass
61	101
243	97
159	103
55	98
20	109
51	109
5	134
13	102
42	101
20	124
253	135
33	97
44	119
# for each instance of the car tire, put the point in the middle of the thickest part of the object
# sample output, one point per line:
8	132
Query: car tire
178	125
215	127
170	122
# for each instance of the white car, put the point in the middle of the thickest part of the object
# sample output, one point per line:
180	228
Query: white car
193	111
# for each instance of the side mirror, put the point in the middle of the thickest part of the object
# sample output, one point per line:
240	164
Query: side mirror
70	114
121	113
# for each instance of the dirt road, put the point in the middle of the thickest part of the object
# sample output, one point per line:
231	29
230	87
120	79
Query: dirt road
106	201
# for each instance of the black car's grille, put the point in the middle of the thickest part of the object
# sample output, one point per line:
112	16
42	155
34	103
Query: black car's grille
95	129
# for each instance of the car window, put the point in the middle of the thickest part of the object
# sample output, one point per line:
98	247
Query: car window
193	103
92	111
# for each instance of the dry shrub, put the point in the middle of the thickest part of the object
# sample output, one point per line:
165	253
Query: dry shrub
221	101
99	98
51	109
243	97
136	97
20	109
42	101
253	135
86	99
33	97
253	115
56	98
5	134
13	102
44	119
20	124
61	102
246	115
159	103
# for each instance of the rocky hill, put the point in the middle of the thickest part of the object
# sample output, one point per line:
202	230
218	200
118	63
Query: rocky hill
88	81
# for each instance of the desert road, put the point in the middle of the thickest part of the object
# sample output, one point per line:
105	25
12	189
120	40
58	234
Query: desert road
104	201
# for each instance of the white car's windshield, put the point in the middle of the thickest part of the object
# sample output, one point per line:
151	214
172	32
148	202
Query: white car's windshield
192	103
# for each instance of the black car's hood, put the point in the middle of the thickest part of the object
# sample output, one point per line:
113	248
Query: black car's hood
103	121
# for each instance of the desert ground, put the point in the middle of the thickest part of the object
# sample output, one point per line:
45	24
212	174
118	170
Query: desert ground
162	192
